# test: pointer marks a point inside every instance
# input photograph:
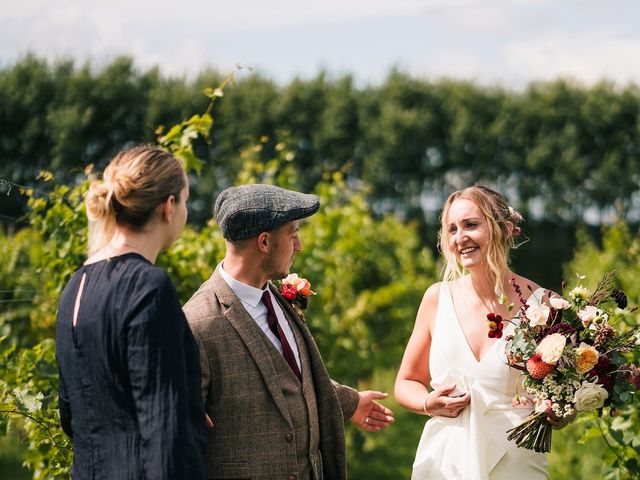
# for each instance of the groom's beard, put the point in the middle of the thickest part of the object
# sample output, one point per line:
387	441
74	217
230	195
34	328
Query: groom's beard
274	266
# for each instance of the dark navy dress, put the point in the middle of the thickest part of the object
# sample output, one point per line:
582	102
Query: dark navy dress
129	375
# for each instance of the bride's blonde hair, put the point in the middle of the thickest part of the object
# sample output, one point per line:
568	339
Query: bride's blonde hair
504	233
134	183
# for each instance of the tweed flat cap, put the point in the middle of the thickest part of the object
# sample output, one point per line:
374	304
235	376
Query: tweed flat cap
248	210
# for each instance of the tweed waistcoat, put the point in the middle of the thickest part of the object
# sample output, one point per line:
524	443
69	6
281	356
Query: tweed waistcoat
309	392
301	404
297	408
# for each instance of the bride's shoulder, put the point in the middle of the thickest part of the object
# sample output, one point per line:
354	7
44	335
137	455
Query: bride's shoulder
428	306
432	293
430	298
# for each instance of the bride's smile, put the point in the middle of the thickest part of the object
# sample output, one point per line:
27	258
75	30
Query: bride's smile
467	232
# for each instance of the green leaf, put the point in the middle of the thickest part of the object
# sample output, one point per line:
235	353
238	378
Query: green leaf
191	162
589	434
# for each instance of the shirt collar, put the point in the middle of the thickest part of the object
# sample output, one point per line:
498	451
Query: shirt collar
246	293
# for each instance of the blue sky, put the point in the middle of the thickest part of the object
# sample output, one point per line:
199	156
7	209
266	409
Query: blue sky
509	42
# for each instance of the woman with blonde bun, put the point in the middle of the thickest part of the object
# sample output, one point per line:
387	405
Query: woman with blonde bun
451	370
129	367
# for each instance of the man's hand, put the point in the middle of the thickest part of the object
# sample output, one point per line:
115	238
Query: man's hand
371	415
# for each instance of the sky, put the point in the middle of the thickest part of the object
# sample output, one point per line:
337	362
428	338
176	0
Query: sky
508	43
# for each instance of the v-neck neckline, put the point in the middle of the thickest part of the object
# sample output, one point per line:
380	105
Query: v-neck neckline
462	333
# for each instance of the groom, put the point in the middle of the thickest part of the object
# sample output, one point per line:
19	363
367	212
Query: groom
276	412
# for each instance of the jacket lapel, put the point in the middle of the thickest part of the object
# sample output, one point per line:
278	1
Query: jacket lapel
252	337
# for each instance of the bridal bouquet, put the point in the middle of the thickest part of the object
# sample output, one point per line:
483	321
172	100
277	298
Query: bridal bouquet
572	356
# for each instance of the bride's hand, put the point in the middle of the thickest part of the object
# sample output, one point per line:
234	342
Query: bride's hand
438	403
557	422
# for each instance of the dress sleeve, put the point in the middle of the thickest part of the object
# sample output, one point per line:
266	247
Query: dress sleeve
157	372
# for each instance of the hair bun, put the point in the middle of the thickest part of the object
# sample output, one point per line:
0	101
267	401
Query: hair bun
98	201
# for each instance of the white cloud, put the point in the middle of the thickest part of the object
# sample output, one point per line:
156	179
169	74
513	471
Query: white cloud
272	12
476	18
507	41
587	57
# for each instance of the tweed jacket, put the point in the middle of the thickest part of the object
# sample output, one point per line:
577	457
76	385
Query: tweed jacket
252	433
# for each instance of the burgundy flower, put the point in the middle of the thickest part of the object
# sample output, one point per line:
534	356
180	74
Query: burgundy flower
603	371
632	375
518	291
495	325
620	298
289	291
304	302
563	328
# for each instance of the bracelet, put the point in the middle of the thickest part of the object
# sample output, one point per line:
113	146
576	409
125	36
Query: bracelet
424	405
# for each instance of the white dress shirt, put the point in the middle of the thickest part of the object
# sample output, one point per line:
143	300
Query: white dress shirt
251	299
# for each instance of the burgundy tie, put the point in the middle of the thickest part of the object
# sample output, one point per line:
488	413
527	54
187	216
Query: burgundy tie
275	327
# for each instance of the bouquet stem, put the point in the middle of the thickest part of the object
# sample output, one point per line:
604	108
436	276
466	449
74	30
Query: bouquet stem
534	433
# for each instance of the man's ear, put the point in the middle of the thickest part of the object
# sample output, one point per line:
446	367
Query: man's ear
264	242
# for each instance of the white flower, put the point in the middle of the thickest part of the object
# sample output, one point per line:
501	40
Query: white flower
515	214
551	348
537	312
292	279
559	303
590	396
579	295
537	316
587	314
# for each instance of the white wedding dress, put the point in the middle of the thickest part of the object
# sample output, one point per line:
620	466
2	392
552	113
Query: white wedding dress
474	445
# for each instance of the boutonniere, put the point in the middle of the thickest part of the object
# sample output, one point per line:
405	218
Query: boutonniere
297	291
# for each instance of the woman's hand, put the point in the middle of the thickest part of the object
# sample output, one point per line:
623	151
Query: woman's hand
438	403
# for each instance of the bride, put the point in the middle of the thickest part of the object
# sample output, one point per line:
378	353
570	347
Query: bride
451	370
